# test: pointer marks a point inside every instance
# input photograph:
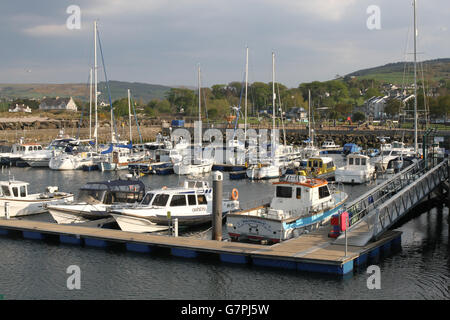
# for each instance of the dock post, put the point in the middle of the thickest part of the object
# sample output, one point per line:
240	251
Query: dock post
175	227
7	210
217	206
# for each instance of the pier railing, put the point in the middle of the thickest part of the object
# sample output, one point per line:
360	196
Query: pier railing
376	211
361	206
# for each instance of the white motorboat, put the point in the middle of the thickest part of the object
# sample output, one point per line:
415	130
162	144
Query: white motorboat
41	158
391	151
270	170
20	203
190	203
196	167
329	144
19	150
74	160
299	205
95	198
358	169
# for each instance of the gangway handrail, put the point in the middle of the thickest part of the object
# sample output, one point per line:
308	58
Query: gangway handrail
368	200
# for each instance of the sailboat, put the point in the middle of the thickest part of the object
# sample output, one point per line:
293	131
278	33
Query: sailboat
81	156
122	155
198	165
273	167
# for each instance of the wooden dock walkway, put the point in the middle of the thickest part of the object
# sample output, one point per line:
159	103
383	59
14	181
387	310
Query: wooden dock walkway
310	252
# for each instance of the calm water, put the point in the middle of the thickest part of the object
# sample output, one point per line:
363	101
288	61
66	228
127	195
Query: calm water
37	269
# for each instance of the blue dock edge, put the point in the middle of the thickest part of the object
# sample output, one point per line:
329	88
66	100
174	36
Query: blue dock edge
138	247
69	239
33	235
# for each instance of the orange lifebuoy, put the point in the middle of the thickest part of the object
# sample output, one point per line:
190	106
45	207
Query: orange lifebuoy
234	194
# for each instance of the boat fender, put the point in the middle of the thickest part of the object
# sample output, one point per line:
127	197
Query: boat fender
234	194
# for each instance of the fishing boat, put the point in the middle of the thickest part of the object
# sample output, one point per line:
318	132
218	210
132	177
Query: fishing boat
191	204
95	198
19	150
299	205
358	169
20	203
319	167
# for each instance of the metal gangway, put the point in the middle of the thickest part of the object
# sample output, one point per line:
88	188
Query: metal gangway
373	213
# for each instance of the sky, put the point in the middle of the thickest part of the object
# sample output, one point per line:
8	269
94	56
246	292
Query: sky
165	41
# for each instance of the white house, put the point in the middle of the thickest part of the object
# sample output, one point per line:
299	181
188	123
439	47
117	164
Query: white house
20	108
58	104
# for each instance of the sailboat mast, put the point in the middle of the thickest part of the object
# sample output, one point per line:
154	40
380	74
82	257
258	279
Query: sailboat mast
309	116
415	78
246	88
129	114
90	104
95	85
199	106
273	99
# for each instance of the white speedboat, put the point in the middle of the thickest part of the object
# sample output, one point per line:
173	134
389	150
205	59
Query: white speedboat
20	203
41	158
191	204
358	169
95	198
74	160
260	171
186	167
390	152
299	205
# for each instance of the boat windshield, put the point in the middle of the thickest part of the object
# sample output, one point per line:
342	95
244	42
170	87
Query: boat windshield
92	196
160	200
147	199
386	153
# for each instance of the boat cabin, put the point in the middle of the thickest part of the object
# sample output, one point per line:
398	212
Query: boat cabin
320	165
329	144
25	147
357	161
14	189
297	196
191	193
109	192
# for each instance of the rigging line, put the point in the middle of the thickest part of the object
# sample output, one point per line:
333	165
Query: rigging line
135	117
107	84
82	109
238	109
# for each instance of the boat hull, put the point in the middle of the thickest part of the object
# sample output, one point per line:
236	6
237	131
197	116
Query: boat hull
30	207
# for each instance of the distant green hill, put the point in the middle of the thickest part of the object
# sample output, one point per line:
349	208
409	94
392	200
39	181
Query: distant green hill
402	72
139	91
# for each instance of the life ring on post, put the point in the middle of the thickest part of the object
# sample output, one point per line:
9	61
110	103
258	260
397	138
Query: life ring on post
234	194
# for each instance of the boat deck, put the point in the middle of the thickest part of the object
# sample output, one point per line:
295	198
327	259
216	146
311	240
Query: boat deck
312	252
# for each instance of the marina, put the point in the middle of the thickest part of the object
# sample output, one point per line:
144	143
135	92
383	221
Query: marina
181	179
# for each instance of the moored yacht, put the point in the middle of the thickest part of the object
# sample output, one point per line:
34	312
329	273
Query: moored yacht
95	198
190	203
